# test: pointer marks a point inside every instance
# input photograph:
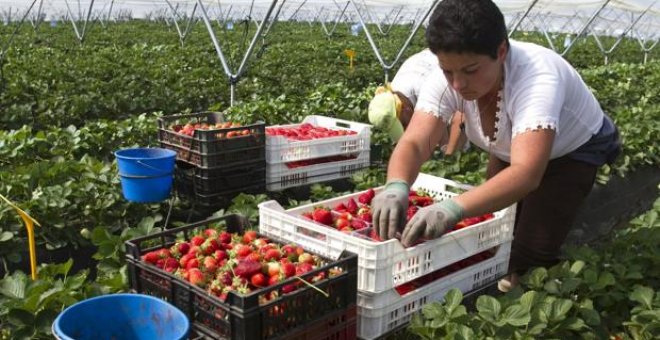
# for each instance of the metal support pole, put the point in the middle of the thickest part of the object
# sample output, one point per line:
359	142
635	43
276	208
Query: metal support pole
584	28
517	24
387	67
234	77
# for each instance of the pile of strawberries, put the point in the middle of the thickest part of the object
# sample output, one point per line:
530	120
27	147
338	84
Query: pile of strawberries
320	160
222	262
421	281
353	216
307	131
188	129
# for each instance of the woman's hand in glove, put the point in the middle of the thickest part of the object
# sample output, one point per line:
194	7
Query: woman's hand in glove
389	209
432	221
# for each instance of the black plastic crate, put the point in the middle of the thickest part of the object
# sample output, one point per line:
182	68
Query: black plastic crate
242	316
209	141
219	159
210	181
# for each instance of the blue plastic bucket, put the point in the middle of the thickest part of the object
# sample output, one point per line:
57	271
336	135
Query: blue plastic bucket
146	174
121	317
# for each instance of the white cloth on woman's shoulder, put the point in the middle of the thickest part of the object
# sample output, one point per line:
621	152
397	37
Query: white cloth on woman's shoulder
541	91
410	76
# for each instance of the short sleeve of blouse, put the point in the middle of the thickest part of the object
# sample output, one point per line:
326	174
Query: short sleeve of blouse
537	98
436	97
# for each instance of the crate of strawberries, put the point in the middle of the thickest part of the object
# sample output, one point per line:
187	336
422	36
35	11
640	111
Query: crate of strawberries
205	139
316	137
242	285
344	223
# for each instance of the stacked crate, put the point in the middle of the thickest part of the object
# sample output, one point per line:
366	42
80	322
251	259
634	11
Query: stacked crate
317	150
321	309
216	162
394	282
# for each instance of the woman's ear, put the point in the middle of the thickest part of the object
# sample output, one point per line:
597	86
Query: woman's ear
502	51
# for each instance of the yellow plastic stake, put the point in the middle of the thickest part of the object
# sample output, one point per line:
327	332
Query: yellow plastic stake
350	54
29	224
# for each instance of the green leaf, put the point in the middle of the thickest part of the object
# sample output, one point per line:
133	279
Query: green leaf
527	300
568	285
605	279
643	295
434	311
537	278
560	308
6	236
577	267
537	328
14	286
489	307
453	298
20	317
516	315
573	323
45	320
590	316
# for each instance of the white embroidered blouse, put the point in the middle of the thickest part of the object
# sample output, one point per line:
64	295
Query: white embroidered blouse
541	91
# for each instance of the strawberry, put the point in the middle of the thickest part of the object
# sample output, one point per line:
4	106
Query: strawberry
242	250
196	277
341	223
192	263
420	201
289	288
303	268
185	258
306	258
366	197
151	257
274	279
220	255
288	269
254	256
224	237
197	240
340	207
358	224
209	246
412	210
258	280
374	236
352	207
171	265
272	268
210	264
272	255
323	216
249	236
365	217
308	215
210	233
164	253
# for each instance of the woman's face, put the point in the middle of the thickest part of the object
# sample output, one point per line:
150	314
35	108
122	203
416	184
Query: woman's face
473	75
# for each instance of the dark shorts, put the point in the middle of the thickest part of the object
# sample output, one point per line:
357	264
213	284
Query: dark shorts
545	216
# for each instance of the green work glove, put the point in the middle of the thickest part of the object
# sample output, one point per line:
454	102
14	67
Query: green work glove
389	209
432	221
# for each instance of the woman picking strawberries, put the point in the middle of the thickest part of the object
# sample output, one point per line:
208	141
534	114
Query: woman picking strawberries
529	109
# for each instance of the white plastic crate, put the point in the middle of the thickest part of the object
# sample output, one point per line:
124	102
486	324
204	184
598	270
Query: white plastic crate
280	176
280	149
296	181
380	313
384	265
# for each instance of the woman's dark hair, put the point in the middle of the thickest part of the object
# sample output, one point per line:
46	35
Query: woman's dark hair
466	26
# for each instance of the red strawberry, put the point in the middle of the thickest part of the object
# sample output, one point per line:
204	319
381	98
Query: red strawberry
196	277
308	215
352	207
412	210
272	255
249	236
306	258
340	207
342	223
274	279
192	263
210	233
258	280
242	250
366	197
210	264
303	268
184	248
288	288
197	240
220	255
288	269
374	236
358	224
151	257
185	258
171	265
323	216
224	237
